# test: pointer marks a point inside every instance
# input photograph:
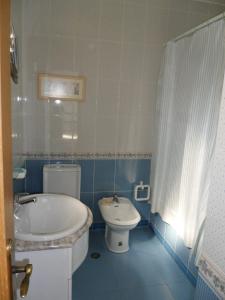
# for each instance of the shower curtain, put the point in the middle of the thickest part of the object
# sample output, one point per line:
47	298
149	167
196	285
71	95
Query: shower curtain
187	110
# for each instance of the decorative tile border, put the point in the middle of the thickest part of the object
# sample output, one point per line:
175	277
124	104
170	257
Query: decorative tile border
66	242
79	156
214	277
203	290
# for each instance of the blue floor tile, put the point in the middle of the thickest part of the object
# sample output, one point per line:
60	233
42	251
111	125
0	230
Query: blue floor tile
156	292
145	272
144	240
132	270
95	274
183	290
170	271
98	295
97	242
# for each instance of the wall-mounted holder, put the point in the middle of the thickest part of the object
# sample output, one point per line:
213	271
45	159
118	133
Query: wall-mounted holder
19	173
141	188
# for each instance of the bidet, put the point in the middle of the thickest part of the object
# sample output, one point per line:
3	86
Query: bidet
120	217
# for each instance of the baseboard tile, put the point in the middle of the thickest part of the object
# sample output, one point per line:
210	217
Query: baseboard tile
173	254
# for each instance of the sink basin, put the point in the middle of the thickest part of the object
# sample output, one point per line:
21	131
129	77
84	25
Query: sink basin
51	217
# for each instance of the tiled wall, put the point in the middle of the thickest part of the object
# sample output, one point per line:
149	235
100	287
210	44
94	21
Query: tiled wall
100	177
175	246
203	291
117	45
17	100
214	238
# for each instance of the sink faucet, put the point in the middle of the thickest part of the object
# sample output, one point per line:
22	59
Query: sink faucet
115	199
24	198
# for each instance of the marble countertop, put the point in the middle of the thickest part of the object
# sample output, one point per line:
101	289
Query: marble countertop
65	242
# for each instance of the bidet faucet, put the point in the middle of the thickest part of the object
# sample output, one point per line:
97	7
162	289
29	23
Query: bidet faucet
115	198
24	198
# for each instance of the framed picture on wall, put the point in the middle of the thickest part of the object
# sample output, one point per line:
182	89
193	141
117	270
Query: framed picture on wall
63	87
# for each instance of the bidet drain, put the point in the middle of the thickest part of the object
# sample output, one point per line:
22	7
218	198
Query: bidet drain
95	255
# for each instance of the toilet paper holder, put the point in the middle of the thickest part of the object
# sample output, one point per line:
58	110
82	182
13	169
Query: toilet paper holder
142	187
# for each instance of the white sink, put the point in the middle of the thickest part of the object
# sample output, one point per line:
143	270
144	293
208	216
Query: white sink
51	217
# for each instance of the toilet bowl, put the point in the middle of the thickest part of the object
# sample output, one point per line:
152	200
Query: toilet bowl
120	216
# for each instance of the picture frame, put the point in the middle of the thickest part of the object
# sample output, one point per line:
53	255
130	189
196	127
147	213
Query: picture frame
62	87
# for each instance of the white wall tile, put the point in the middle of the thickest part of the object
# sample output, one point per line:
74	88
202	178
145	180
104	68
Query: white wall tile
86	141
198	7
144	133
220	2
86	61
216	9
195	19
179	5
147	99
39	22
61	59
88	14
132	59
165	4
177	23
110	53
126	134
88	106
66	110
134	22
36	55
157	22
106	134
129	97
137	2
152	61
118	46
86	121
134	134
35	133
58	128
111	20
64	17
108	98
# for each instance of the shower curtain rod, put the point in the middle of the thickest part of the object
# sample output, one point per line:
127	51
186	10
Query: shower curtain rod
191	31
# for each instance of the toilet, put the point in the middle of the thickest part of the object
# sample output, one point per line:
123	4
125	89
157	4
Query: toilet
62	179
120	216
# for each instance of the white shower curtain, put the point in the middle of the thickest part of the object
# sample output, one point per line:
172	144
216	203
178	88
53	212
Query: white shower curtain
188	103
